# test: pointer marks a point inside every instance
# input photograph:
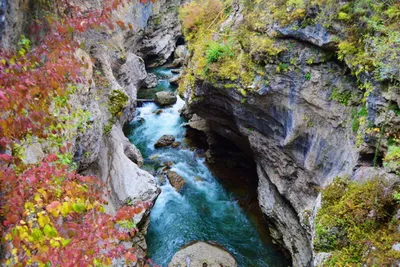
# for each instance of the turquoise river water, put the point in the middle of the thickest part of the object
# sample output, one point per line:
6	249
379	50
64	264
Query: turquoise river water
203	210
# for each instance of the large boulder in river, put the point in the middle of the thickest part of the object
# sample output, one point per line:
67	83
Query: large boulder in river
165	98
176	180
203	254
151	81
175	80
165	140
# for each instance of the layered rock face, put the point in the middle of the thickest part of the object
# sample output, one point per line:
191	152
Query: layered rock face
298	139
299	133
161	35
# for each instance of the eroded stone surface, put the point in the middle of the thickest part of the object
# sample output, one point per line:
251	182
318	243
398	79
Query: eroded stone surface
202	254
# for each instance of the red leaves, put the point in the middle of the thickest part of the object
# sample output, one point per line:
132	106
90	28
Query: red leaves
29	84
51	158
128	212
6	158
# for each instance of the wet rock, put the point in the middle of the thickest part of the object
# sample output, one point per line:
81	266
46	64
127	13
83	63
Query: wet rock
186	113
176	144
165	98
151	81
176	71
176	180
164	141
175	80
161	179
168	164
203	254
198	179
158	112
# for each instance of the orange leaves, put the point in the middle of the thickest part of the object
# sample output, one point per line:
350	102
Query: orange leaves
121	24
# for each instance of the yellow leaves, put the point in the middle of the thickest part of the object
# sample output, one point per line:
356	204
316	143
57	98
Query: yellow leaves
43	220
65	209
29	206
54	208
38	198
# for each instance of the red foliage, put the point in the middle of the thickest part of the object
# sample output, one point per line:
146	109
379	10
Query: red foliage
50	213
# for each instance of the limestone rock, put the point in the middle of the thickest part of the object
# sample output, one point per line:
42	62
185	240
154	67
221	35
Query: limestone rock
165	98
133	153
151	81
176	180
203	254
175	80
315	34
33	154
164	141
181	51
162	33
125	179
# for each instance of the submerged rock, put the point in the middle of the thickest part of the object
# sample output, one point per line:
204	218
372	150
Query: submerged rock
165	140
158	112
165	98
203	254
176	180
176	144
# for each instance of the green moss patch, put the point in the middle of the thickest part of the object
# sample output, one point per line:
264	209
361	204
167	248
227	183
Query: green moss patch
357	223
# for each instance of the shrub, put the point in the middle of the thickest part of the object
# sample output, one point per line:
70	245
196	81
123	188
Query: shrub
197	13
216	51
355	223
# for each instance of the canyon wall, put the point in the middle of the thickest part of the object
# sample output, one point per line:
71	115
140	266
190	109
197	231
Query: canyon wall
282	102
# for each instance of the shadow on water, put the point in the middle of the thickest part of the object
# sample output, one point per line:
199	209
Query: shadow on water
206	208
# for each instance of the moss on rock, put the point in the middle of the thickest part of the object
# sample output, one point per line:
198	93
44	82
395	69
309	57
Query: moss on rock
357	223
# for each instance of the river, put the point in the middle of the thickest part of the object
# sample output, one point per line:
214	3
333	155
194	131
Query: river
204	209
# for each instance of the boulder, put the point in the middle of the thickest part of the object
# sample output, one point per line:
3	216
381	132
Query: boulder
165	98
164	141
203	254
158	112
176	63
176	144
175	80
33	154
181	52
176	71
151	81
176	180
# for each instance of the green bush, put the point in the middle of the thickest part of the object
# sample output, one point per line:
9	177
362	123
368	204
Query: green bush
356	223
216	51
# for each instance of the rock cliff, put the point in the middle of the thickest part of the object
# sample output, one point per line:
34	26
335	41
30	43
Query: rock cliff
280	92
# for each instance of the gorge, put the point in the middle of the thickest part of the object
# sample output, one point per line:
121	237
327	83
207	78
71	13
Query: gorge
280	126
